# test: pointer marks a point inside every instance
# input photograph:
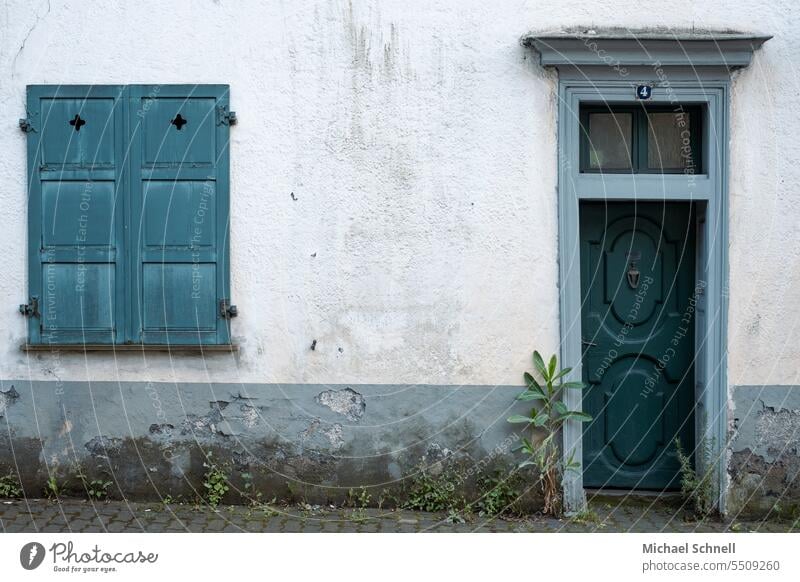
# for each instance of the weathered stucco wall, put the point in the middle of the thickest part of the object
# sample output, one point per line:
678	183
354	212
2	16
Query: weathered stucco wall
419	143
393	189
423	218
314	442
765	451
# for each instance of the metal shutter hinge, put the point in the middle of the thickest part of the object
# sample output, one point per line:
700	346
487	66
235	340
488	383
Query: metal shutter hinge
30	309
226	310
26	125
225	117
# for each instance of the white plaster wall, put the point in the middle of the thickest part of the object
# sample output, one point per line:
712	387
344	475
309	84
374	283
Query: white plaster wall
419	141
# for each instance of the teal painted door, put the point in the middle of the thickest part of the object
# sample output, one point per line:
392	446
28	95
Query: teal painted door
638	298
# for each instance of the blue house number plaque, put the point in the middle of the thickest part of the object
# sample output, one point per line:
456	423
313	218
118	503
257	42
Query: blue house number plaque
644	91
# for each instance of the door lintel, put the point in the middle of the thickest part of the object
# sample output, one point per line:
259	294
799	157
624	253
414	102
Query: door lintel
587	47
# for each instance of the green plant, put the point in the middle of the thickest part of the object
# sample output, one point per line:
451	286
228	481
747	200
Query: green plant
697	490
294	494
360	499
545	421
97	489
215	483
52	490
433	493
168	500
305	510
586	516
268	509
454	517
388	499
789	512
359	515
499	493
249	490
10	487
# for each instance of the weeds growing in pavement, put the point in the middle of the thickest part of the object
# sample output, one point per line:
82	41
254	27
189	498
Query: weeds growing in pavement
545	421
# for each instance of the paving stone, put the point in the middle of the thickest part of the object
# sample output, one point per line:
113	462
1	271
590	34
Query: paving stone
79	516
78	524
330	526
292	526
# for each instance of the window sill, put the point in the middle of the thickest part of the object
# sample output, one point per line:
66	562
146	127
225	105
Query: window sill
168	348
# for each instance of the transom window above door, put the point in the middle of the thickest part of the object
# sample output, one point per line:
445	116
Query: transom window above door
652	139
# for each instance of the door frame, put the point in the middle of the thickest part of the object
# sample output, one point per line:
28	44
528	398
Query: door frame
707	190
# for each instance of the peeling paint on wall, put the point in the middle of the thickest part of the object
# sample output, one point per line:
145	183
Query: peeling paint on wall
764	467
7	398
323	440
347	402
102	446
332	435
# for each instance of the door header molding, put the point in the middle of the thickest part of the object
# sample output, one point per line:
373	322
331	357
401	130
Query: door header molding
587	47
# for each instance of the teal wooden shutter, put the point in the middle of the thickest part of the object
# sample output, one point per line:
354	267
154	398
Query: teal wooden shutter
75	192
179	214
128	214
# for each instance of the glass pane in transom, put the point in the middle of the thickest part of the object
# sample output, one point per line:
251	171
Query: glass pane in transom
669	141
610	141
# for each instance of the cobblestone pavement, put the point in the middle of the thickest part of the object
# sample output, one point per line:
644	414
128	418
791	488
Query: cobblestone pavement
72	515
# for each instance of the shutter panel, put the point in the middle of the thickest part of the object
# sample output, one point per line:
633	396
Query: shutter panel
75	193
179	211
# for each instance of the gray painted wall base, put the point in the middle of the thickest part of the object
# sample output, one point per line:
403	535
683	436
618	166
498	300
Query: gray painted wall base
764	467
317	441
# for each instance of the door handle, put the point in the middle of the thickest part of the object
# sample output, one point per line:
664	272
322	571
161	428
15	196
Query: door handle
587	342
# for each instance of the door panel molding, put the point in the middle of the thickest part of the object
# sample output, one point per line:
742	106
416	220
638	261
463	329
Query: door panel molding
638	368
